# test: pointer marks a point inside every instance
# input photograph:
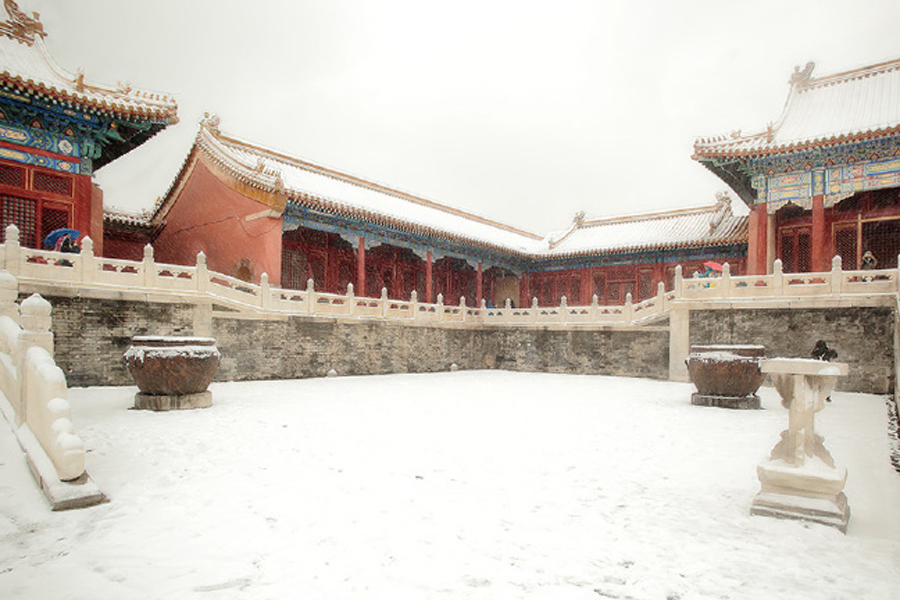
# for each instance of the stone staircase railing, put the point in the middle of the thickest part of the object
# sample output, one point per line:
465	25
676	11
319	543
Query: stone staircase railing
34	400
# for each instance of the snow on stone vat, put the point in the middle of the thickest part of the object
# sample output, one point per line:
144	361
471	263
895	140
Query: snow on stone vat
172	372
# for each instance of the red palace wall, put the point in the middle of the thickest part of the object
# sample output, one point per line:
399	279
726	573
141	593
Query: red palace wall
211	217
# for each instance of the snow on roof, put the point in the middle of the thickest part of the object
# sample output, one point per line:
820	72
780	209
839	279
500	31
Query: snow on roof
861	103
26	64
314	186
692	227
139	220
329	191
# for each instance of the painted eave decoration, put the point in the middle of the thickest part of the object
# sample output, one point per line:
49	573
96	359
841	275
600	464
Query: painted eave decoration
848	108
29	75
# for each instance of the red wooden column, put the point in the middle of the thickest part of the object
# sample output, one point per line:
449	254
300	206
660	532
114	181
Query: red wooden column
479	286
361	268
757	242
819	238
429	284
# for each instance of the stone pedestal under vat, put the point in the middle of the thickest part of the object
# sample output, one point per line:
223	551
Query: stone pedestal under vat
801	480
172	372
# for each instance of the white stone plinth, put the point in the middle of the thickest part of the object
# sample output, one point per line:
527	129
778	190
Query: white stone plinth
800	480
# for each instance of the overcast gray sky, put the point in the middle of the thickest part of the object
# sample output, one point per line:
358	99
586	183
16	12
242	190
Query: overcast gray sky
524	112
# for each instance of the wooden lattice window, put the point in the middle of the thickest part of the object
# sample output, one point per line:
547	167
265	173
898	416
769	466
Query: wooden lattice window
600	287
345	276
796	250
645	285
804	252
574	291
14	176
55	184
21	212
883	239
787	253
845	247
547	292
293	269
317	272
53	218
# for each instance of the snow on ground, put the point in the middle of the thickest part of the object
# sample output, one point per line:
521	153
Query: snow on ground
458	485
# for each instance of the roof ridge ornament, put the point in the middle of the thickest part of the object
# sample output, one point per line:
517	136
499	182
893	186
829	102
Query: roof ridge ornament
722	210
578	221
801	77
211	123
21	27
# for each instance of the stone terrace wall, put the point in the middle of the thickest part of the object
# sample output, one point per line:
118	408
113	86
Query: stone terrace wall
91	335
642	352
863	338
302	347
307	347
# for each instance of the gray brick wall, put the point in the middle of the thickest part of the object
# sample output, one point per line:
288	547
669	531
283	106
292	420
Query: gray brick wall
300	347
863	338
91	335
633	353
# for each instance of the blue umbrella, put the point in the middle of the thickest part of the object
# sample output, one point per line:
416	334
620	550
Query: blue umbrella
55	235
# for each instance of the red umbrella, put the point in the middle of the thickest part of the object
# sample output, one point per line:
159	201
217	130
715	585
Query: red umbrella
713	265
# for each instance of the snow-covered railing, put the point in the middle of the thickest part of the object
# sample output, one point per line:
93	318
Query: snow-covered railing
86	270
836	282
35	399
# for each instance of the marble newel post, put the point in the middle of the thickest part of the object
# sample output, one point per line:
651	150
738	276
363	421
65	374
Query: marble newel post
800	479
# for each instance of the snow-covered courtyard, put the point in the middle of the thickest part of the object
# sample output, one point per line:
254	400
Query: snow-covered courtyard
455	485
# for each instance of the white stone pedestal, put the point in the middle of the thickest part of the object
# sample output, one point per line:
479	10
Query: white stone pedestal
800	479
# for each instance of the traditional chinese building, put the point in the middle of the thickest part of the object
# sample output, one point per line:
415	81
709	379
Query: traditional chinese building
56	129
252	210
823	179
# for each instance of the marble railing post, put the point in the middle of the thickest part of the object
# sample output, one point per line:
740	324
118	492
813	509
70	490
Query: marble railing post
202	273
628	312
149	267
660	297
678	285
310	296
595	308
563	309
351	300
725	282
87	260
837	275
777	278
679	342
11	250
462	308
265	292
534	310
